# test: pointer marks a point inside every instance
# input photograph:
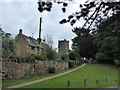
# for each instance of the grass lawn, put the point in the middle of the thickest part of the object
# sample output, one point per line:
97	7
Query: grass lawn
33	78
91	72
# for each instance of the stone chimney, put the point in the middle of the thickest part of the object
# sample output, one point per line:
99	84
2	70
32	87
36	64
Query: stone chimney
20	31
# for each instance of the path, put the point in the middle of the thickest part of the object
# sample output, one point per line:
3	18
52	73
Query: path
109	88
117	87
27	83
114	87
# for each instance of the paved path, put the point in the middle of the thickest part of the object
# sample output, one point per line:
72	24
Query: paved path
109	88
114	87
118	87
27	83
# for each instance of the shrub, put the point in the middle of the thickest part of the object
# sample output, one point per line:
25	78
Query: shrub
40	57
65	56
49	52
103	58
72	55
71	64
79	63
13	57
29	57
51	69
117	62
19	57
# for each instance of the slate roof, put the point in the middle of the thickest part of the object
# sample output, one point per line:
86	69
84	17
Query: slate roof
36	42
2	32
31	41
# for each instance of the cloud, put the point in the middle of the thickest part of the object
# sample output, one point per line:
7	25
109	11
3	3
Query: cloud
0	13
18	1
16	15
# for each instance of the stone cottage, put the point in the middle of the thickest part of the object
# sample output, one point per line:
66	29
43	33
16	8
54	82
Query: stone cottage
27	45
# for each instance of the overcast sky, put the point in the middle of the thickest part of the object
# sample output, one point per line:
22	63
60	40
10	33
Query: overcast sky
24	14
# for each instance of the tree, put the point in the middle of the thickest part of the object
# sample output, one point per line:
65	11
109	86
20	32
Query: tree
49	52
92	12
108	40
65	57
83	42
8	46
100	34
48	40
72	55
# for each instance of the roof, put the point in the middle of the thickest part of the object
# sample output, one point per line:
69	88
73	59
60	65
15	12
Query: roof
64	40
30	40
2	32
36	42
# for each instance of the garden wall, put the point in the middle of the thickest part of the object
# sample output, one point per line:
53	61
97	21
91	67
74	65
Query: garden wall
12	69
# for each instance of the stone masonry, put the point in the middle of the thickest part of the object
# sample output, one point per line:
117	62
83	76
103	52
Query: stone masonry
17	70
63	47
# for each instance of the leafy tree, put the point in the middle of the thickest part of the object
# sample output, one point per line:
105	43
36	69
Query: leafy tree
108	39
117	62
83	42
104	45
72	55
8	46
47	5
100	34
103	58
49	52
92	12
65	57
48	40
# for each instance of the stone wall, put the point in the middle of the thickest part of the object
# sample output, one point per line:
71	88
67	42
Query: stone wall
18	70
42	66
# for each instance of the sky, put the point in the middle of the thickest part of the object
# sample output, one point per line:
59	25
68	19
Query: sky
24	14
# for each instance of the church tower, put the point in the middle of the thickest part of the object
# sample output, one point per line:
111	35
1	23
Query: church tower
63	47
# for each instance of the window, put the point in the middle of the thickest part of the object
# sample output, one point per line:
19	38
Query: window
32	48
